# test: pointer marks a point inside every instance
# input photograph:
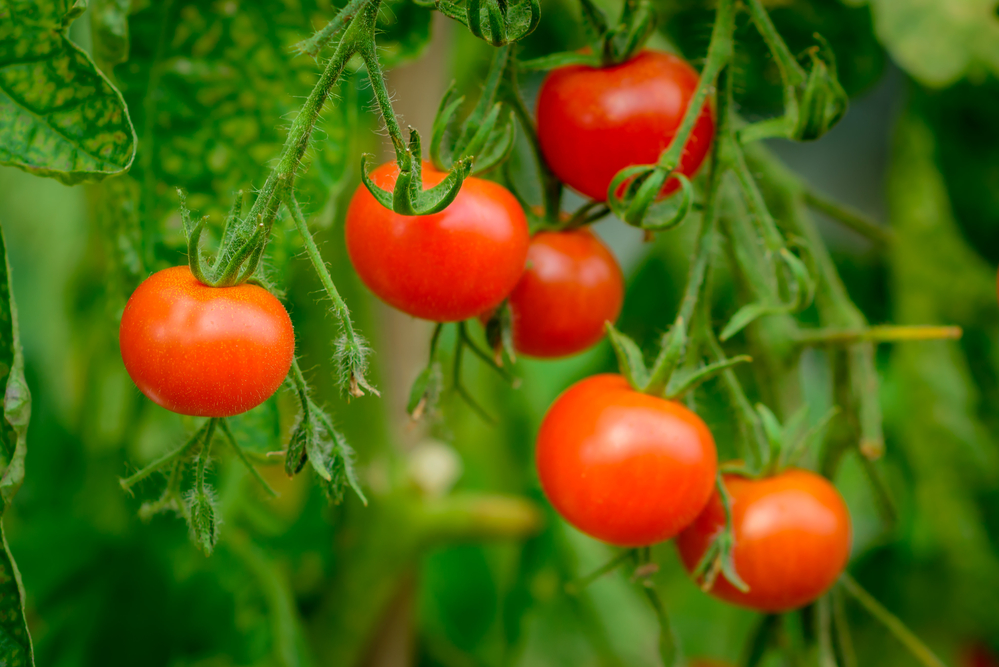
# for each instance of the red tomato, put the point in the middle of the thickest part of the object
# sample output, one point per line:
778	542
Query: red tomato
705	662
624	467
205	351
444	267
571	287
593	122
792	539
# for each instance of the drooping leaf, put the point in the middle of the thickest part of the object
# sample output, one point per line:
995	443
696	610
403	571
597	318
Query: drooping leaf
59	114
16	397
15	644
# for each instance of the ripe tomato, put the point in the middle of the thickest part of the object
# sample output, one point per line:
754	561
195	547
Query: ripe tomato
444	267
571	286
792	539
205	351
624	467
593	122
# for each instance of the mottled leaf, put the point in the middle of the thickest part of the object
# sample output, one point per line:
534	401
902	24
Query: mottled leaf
214	86
59	115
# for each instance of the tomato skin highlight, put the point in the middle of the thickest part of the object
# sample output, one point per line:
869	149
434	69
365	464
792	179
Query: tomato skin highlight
593	122
205	351
572	285
792	539
444	267
624	467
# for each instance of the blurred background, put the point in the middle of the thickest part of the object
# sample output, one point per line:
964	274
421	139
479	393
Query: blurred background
297	582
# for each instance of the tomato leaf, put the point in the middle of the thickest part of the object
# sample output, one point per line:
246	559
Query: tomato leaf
629	357
109	25
939	42
59	115
203	516
213	86
15	643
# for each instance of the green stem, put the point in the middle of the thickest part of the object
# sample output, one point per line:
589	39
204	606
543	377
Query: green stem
878	334
849	217
791	72
320	39
720	51
668	649
841	627
903	634
339	306
577	586
384	100
823	621
128	482
282	177
231	438
206	448
551	187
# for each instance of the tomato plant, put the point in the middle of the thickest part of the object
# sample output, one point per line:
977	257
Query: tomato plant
402	486
571	287
791	536
203	351
626	468
595	121
444	267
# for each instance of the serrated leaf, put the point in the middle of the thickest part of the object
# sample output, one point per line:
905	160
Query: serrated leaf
59	115
204	519
939	42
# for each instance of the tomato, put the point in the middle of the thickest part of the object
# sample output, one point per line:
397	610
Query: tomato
624	467
792	539
205	351
706	662
593	122
571	287
444	267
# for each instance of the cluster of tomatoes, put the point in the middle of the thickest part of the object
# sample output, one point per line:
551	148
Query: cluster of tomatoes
625	467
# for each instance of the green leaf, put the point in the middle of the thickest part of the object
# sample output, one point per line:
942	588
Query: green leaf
17	398
629	358
15	644
939	42
204	519
109	25
213	86
59	115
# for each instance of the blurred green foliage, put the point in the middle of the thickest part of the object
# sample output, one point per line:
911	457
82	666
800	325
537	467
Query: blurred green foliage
295	582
